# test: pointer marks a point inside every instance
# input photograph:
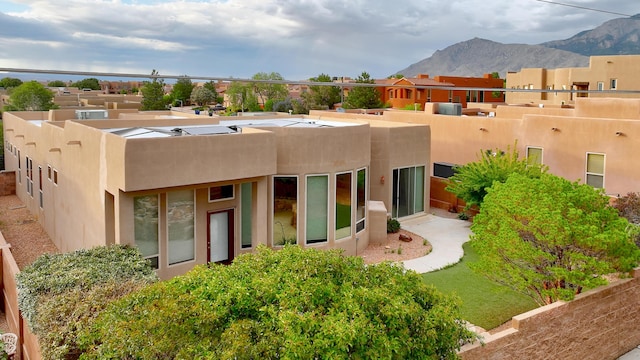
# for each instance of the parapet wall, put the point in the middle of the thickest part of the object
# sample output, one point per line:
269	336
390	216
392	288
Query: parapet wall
599	324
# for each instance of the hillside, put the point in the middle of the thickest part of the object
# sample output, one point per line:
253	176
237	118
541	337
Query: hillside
476	57
614	37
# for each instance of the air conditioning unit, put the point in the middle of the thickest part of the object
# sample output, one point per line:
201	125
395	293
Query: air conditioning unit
92	114
450	109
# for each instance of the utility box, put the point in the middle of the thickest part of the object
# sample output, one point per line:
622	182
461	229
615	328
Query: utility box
92	114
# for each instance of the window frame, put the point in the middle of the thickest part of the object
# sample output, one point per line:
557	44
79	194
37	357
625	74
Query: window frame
335	208
233	193
366	191
613	84
307	212
273	199
157	255
587	172
167	224
541	161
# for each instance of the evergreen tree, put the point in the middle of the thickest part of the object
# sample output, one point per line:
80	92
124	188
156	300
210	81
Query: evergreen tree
363	97
153	93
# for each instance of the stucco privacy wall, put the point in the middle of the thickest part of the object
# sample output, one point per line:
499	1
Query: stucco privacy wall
598	324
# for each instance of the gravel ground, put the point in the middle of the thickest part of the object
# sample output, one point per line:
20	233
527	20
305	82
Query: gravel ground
23	232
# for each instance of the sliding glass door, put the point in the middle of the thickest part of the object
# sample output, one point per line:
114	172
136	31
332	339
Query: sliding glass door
408	191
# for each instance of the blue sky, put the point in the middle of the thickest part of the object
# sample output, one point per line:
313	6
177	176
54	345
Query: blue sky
296	38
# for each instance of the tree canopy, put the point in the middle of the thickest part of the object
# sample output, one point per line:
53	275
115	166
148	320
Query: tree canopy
88	83
182	89
153	94
202	96
322	96
361	97
628	207
471	181
550	238
30	96
56	83
267	91
9	82
287	304
241	97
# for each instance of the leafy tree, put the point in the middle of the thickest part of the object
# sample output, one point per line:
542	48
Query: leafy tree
628	207
363	97
322	96
549	238
56	83
88	83
62	293
241	97
182	89
211	86
287	304
153	93
396	76
471	181
202	96
30	96
9	82
267	91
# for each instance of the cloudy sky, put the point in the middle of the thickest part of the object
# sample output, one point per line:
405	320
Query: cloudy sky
296	38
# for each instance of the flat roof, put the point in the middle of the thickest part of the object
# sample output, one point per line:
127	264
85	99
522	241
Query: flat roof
224	127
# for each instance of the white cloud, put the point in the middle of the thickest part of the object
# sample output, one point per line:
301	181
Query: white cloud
298	38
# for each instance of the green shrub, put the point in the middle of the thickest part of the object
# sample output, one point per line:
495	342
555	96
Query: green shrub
60	294
290	304
393	226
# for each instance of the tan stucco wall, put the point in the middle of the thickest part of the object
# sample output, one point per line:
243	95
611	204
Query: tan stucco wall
624	68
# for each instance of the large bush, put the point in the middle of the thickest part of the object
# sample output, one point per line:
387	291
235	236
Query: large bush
289	304
60	294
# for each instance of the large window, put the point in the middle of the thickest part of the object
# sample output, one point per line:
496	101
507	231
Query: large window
343	205
408	191
317	208
595	170
29	162
285	210
180	224
145	220
246	214
534	155
361	200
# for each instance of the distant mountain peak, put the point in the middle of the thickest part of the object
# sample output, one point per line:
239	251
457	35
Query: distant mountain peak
478	56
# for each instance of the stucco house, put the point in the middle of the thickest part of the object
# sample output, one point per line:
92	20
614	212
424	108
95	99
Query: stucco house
191	190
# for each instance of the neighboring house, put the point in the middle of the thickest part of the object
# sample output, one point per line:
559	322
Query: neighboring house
606	76
595	142
193	190
400	93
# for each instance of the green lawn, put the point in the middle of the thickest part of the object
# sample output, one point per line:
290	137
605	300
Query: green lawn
484	303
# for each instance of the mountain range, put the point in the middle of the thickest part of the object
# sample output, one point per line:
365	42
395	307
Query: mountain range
477	56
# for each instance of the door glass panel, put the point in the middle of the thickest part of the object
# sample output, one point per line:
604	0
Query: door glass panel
219	237
419	192
361	200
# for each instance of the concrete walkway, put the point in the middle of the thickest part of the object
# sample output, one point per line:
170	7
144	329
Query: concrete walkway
445	235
